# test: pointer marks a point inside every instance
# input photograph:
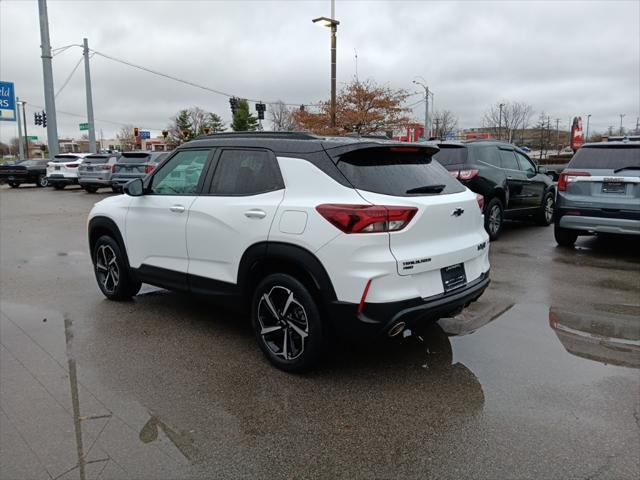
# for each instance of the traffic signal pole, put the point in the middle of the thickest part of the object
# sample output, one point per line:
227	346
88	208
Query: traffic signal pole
20	139
47	74
87	79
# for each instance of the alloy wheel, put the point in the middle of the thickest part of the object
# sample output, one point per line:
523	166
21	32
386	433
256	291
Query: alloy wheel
284	326
495	219
548	209
42	181
107	268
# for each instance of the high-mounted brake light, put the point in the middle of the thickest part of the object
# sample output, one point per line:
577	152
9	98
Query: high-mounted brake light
405	149
367	218
148	168
568	177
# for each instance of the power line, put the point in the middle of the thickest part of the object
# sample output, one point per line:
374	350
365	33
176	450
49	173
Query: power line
66	82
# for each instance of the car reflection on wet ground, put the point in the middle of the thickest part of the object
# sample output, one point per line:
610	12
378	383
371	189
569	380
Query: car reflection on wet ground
539	379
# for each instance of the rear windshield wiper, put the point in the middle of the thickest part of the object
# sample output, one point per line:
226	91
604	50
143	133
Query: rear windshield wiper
630	167
427	189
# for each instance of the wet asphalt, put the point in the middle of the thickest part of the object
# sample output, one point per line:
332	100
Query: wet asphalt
170	386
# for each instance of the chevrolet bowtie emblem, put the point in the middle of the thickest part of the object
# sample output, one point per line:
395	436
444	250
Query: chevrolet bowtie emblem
457	212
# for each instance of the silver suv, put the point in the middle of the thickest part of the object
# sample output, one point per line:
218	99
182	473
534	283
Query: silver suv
599	192
95	171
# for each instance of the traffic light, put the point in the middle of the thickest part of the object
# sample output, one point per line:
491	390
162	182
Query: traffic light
206	130
44	118
233	101
260	108
136	132
302	108
37	119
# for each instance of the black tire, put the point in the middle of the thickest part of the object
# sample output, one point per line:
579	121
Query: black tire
91	189
111	270
544	216
59	186
42	181
564	236
494	218
285	345
14	184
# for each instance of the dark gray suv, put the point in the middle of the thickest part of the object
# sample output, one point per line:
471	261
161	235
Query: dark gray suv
599	192
132	165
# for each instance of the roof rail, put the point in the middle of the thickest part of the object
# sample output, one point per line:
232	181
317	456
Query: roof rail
263	134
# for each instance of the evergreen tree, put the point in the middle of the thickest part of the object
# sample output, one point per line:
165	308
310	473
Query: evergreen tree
215	123
243	120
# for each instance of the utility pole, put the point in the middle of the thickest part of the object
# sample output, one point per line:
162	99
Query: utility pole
26	135
334	29
20	139
87	79
435	134
586	137
637	126
500	122
47	74
548	134
426	106
622	115
558	134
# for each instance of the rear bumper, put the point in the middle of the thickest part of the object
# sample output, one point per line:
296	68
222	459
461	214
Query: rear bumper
622	222
61	179
94	182
377	318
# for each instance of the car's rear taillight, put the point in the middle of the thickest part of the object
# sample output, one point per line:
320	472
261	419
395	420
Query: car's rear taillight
113	168
72	165
149	168
467	174
568	177
105	167
367	218
480	200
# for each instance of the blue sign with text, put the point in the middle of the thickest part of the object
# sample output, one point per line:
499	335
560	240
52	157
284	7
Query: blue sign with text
145	135
7	102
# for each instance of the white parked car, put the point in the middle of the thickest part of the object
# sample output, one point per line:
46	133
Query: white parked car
62	170
307	234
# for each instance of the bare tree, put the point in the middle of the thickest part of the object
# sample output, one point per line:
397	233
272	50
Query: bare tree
515	116
445	123
126	137
281	117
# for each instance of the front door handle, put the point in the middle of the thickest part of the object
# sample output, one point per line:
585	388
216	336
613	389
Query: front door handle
176	208
255	213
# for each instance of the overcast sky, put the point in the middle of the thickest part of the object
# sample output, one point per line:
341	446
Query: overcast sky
564	57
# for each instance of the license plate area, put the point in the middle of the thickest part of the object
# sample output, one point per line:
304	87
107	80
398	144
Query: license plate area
613	187
57	167
453	277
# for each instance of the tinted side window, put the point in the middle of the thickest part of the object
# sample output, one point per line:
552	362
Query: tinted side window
508	160
525	163
181	174
246	172
451	155
489	155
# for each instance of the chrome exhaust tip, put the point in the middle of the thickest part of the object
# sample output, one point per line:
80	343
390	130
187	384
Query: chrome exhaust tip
396	329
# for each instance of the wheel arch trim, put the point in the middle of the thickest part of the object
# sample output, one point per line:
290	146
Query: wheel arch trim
100	224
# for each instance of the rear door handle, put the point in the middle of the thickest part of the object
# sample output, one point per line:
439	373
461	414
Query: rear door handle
177	208
255	213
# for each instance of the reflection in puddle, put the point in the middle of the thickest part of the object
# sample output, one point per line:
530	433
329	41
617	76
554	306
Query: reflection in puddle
609	338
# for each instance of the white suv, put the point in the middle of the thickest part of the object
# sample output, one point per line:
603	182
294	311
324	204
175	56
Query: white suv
310	235
62	170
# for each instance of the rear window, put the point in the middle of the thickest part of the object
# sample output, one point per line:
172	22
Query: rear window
96	159
606	157
64	158
381	170
451	155
134	158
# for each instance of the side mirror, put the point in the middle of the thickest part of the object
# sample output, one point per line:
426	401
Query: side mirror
553	174
134	188
542	169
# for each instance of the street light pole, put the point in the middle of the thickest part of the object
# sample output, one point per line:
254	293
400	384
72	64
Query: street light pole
20	139
87	79
586	136
332	23
426	106
47	74
26	135
622	115
500	122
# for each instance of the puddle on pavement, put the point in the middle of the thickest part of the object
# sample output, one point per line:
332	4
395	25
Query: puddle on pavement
223	410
